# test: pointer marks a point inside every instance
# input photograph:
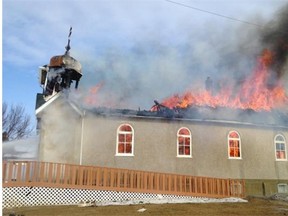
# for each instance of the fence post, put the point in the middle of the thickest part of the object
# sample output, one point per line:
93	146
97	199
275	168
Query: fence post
243	188
228	185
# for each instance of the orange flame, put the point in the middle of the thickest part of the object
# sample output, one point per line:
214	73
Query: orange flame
91	98
253	93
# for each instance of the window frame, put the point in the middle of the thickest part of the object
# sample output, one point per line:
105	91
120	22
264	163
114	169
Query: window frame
280	142
240	145
125	133
190	144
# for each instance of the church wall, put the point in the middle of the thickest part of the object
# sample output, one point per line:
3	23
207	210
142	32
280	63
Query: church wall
60	134
155	148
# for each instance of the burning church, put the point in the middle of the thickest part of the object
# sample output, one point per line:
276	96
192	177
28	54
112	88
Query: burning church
217	132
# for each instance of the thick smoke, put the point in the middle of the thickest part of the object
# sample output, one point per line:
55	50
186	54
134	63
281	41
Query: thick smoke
60	137
155	66
275	37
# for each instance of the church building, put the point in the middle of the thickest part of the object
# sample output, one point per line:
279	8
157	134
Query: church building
198	141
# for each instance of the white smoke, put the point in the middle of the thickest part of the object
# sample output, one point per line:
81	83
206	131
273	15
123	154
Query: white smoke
154	66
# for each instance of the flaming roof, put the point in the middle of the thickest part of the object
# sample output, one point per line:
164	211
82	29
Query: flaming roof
221	115
261	91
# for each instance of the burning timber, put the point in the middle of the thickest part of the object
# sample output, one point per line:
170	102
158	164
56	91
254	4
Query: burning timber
206	114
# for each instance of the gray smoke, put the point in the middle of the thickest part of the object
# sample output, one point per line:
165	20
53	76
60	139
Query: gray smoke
153	68
275	37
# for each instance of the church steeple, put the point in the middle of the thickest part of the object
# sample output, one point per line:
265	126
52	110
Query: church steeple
68	44
60	73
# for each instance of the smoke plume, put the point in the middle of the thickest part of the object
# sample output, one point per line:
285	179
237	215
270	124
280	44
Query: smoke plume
275	37
156	67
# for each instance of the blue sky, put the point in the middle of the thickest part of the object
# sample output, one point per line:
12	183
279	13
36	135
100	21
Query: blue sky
142	50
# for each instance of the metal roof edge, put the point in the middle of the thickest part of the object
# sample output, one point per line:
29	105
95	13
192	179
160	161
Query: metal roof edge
200	120
76	108
54	98
41	108
221	122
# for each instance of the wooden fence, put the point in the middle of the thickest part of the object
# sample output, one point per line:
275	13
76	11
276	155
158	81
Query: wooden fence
44	174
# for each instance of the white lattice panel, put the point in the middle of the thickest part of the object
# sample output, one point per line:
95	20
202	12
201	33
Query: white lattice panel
36	196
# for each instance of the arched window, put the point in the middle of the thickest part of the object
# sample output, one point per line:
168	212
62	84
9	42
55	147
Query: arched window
280	147
125	140
234	145
184	144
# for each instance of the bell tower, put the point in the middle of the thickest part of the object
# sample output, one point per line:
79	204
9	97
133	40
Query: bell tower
60	73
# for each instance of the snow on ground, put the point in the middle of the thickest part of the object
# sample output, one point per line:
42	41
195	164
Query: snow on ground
161	200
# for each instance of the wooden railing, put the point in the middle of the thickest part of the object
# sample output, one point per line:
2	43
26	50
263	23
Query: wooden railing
44	174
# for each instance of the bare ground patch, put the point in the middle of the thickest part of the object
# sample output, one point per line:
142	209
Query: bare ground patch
254	206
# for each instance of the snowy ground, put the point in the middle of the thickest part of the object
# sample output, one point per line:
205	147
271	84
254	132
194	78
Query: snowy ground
162	200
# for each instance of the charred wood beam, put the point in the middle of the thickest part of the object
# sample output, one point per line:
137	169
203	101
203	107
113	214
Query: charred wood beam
163	110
